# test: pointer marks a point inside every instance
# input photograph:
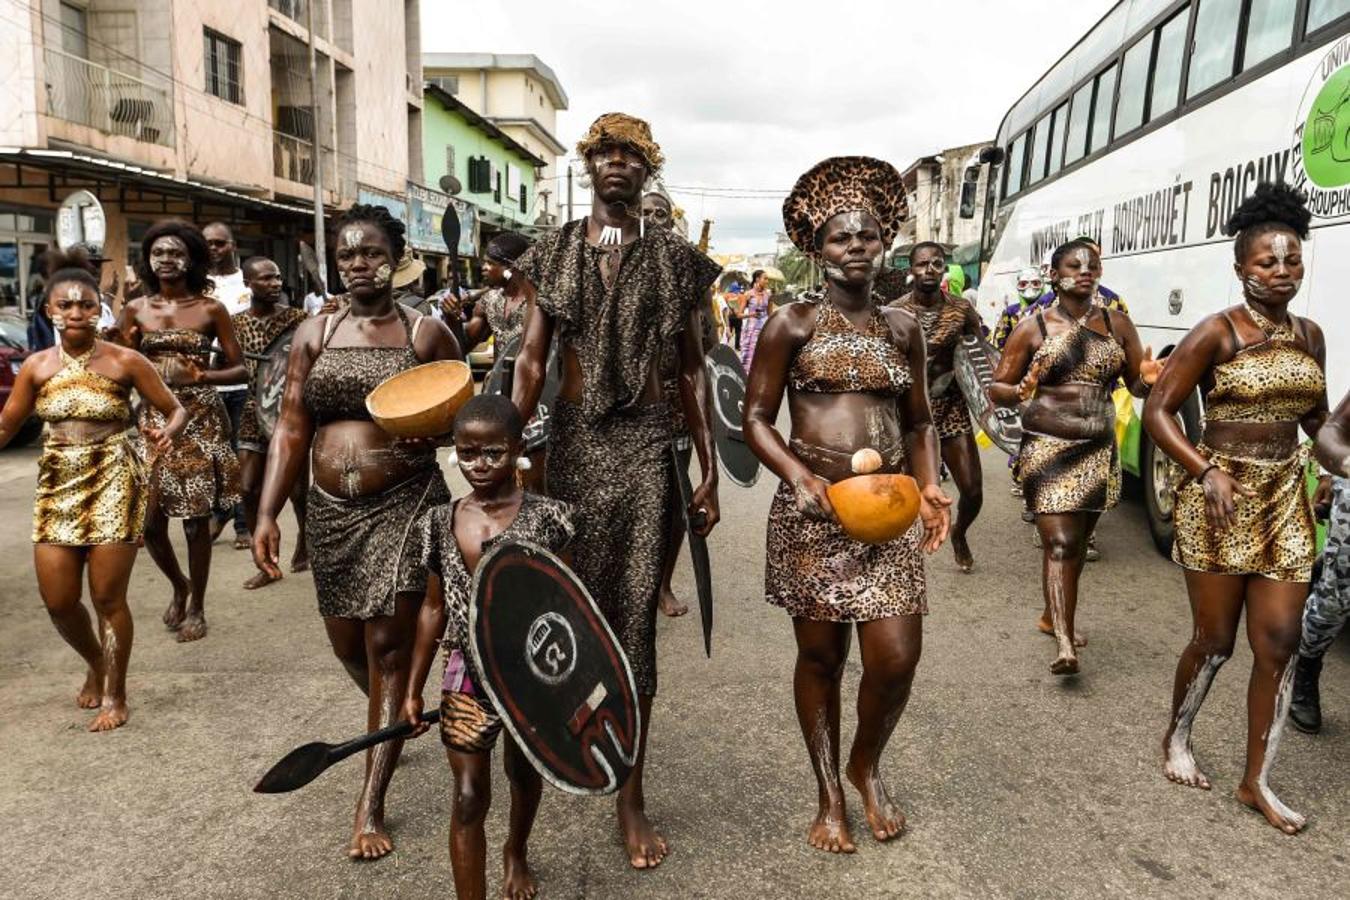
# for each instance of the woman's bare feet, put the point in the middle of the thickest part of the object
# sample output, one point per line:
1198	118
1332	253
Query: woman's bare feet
1044	626
517	880
883	816
646	847
1263	800
113	714
671	605
260	580
1179	763
173	616
193	628
1067	661
829	831
369	840
91	695
965	560
300	561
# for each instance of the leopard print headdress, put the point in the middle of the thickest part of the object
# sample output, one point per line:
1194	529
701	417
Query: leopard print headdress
844	184
621	128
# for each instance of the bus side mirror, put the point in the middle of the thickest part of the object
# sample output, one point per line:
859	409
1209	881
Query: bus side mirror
992	156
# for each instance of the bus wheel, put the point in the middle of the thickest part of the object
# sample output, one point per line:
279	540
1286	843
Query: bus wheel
1156	471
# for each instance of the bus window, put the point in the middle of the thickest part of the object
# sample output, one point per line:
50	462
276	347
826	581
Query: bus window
1167	65
1215	44
1323	12
1101	110
1016	156
1270	25
1133	84
1079	110
1040	146
1057	138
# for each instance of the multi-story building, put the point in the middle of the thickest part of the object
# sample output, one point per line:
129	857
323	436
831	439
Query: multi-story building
518	94
203	110
946	197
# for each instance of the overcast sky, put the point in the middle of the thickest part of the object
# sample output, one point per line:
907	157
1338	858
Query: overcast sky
748	94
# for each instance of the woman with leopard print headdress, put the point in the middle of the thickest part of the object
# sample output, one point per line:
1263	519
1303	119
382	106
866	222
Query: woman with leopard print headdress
1244	528
1063	363
854	376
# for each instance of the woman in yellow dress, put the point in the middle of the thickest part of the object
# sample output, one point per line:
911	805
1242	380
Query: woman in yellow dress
91	494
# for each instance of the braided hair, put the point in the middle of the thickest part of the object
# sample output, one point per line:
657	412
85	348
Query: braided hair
1273	206
507	247
381	218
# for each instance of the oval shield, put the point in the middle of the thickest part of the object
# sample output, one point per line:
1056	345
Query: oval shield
726	382
536	430
553	669
269	381
974	363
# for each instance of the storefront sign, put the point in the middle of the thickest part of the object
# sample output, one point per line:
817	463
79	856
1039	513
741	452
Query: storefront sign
80	220
396	205
425	210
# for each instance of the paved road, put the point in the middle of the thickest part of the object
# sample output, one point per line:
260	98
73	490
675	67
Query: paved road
1016	783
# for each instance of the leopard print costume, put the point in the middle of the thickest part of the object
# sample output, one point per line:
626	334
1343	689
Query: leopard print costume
1276	380
943	326
844	184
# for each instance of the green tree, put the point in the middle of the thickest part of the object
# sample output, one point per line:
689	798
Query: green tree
797	268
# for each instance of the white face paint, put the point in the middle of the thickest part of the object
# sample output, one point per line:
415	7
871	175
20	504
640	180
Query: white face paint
853	221
833	272
351	238
1254	289
383	275
74	293
1279	247
58	322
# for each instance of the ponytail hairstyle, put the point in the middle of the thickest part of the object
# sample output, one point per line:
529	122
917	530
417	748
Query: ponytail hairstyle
1273	206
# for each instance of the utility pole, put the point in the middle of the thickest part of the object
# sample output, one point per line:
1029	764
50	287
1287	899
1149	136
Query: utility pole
569	190
320	248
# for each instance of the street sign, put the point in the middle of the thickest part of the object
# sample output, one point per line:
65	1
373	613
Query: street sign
80	220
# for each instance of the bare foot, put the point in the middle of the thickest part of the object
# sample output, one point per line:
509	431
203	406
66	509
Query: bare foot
646	848
1264	801
370	840
113	714
193	628
1066	663
1044	627
91	695
883	816
517	880
242	542
829	831
965	561
217	526
671	605
300	561
262	579
1179	763
173	616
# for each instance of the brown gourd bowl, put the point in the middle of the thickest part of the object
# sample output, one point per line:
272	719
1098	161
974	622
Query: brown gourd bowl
875	509
421	402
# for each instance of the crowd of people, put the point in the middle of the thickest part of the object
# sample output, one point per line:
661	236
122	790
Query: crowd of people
625	303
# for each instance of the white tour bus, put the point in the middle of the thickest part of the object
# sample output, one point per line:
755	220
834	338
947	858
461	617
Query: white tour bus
1147	134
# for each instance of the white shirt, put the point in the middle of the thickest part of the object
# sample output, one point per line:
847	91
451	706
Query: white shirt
314	303
236	296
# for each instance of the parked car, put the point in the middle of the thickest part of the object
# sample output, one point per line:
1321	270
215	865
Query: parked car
13	351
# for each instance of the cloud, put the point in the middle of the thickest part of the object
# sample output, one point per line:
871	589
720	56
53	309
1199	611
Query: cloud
746	94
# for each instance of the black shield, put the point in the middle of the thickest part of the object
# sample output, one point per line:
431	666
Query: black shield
726	381
553	669
536	430
269	381
974	363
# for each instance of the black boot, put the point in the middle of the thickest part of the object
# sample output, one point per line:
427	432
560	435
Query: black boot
1305	710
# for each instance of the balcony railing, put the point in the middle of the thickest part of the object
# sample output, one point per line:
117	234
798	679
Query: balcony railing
114	102
298	11
293	159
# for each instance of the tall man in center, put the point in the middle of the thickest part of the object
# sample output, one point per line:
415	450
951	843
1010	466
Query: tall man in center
619	295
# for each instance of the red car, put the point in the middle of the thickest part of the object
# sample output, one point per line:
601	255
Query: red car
13	351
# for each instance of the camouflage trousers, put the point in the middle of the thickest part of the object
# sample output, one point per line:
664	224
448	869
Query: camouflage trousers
1329	602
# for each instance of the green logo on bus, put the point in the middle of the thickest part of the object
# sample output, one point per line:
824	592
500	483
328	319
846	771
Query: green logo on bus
1326	133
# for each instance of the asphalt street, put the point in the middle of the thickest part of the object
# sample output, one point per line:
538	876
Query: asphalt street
1016	783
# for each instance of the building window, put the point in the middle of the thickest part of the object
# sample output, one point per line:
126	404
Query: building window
223	76
480	176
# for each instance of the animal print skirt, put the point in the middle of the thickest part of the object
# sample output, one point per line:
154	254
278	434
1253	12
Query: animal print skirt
365	551
199	474
815	571
1061	475
616	472
1274	534
90	493
951	414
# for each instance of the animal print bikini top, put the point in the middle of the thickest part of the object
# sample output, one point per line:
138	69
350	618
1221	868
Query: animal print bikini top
1080	355
342	377
840	358
1276	380
78	393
